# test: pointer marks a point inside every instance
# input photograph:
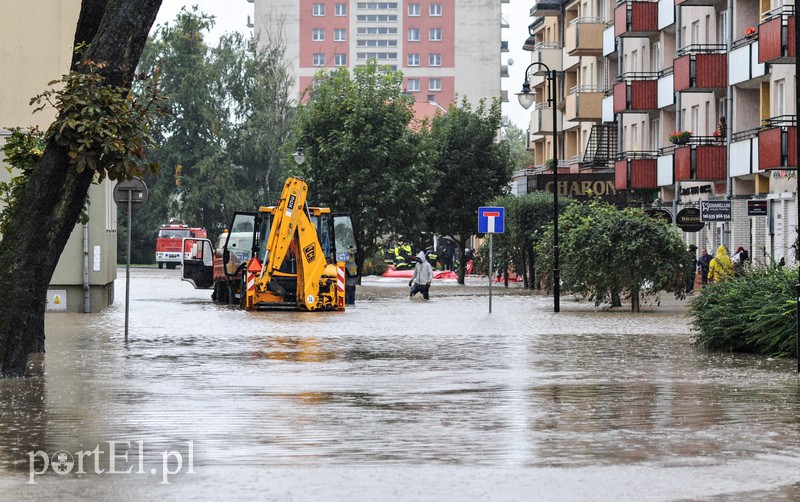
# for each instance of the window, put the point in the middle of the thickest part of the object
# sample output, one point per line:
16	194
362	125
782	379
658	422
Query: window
340	59
722	27
339	35
413	85
435	34
655	134
779	97
319	9
340	9
413	11
413	34
655	57
413	60
319	59
436	9
318	35
635	136
696	32
695	123
434	59
435	84
380	30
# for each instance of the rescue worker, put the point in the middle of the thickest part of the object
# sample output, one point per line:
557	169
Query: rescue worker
423	275
721	268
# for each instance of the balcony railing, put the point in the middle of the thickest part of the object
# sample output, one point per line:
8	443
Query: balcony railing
697	3
636	92
743	61
703	158
700	68
777	143
776	36
635	18
636	170
584	36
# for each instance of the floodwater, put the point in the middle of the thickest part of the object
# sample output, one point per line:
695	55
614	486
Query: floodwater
393	399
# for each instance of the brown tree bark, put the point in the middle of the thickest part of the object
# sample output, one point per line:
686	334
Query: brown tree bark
51	203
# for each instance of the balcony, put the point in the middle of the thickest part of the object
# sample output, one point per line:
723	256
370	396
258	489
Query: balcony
634	18
636	170
666	89
703	158
609	42
636	92
584	37
666	13
696	3
743	61
744	148
777	143
700	68
548	53
542	120
776	36
666	167
544	8
584	103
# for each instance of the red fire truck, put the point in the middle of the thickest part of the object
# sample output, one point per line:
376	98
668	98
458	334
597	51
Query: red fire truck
170	239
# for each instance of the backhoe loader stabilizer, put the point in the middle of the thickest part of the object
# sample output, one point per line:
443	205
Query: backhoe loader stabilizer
297	272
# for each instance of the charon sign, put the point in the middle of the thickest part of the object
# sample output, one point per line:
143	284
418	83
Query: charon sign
579	185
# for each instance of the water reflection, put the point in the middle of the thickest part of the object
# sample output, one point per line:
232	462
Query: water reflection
398	382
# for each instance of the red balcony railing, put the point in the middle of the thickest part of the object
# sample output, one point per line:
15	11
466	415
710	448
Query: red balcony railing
636	170
636	92
635	18
776	36
777	143
700	68
703	158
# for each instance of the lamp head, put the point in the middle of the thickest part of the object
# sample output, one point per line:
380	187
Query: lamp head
526	97
299	156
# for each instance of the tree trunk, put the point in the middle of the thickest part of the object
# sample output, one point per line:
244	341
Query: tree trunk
48	208
635	306
462	265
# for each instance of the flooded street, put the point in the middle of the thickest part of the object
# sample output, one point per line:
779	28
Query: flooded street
394	399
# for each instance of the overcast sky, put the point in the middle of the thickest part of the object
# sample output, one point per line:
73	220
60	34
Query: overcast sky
231	15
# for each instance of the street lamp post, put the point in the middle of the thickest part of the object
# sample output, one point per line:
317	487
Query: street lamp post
526	98
300	157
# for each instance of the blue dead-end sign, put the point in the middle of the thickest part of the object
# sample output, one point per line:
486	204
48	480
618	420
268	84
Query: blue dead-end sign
491	220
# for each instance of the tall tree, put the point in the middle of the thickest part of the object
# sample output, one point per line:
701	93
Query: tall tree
607	252
230	112
521	157
112	34
363	158
472	168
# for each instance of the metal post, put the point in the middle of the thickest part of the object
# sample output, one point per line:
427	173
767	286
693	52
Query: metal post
128	265
491	273
556	271
797	196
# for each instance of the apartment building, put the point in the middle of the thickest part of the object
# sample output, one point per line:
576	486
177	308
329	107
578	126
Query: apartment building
722	70
34	51
447	50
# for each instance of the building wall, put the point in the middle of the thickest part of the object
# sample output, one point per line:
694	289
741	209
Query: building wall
470	42
35	50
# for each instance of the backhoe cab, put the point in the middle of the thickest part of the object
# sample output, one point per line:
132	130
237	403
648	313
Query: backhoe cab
283	256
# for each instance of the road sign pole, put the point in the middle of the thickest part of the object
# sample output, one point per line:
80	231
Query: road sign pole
128	264
491	273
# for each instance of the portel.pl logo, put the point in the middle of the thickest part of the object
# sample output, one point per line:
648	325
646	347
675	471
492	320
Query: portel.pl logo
64	463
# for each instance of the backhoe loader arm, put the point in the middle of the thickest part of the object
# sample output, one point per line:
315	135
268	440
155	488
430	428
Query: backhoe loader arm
284	223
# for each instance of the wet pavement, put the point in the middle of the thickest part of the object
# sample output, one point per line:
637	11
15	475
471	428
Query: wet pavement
394	399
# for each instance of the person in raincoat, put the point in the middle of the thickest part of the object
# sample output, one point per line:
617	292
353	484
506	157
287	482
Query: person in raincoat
423	275
721	267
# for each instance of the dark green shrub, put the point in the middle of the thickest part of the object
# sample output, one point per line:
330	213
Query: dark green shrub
374	265
752	313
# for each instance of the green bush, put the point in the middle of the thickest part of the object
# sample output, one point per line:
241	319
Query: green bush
374	265
752	313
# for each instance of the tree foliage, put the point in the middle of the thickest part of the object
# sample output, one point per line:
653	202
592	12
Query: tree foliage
606	252
472	168
361	155
229	113
521	157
